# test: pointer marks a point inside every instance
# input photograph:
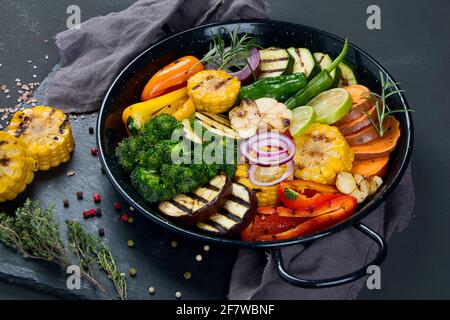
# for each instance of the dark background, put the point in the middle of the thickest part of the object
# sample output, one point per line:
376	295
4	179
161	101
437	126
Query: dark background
413	45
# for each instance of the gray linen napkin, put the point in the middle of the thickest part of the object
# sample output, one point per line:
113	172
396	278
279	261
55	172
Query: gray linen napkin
95	54
254	275
91	59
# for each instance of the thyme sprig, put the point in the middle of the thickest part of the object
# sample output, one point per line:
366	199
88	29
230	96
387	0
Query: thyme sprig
235	56
107	263
35	234
388	89
84	246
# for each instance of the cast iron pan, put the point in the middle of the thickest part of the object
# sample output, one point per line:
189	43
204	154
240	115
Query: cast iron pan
127	87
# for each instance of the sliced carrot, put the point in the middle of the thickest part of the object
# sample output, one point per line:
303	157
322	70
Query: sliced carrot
379	147
366	135
371	167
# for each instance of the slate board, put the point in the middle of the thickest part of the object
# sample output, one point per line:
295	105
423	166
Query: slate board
157	262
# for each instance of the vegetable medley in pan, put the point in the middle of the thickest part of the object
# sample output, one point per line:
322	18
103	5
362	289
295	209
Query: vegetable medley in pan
265	144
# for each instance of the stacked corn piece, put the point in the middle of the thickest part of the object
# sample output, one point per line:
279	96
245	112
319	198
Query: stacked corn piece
47	134
17	166
267	196
213	91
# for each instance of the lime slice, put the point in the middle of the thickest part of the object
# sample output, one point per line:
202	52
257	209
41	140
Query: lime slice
302	118
332	105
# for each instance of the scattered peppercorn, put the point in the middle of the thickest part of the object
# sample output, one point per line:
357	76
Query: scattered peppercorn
132	272
174	244
91	213
199	257
101	232
124	218
103	170
130	244
86	214
66	203
80	195
97	198
94	151
206	247
178	295
130	220
98	212
91	130
151	290
187	275
117	206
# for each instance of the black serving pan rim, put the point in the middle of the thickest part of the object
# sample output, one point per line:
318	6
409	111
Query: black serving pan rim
179	229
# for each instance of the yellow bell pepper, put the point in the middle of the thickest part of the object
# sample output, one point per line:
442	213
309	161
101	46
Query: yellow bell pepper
213	91
17	166
135	116
187	110
47	134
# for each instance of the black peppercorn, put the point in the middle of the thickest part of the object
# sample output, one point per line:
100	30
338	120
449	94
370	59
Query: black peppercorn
101	232
66	203
98	212
91	130
80	195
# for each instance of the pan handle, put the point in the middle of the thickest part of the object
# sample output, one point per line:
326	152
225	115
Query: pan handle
332	282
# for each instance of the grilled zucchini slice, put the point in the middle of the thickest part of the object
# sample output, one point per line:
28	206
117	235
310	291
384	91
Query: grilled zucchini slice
274	62
216	124
303	61
200	204
236	214
348	77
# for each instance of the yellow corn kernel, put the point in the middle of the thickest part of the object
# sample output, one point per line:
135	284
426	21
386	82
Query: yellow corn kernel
267	196
213	91
47	134
322	152
17	166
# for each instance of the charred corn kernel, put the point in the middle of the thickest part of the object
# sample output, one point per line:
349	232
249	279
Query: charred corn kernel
47	134
213	91
17	166
135	116
322	152
266	196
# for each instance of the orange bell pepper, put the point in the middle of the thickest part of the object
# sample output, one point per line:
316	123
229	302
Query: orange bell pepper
172	77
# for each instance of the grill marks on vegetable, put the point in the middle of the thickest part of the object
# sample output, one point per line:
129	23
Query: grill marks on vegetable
235	215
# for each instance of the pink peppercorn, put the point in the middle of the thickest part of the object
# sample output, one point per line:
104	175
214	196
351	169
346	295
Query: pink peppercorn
97	198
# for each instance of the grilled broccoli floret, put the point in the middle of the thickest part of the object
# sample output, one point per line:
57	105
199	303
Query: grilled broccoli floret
127	150
150	185
161	127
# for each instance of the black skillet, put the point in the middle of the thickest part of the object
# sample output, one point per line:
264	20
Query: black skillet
127	87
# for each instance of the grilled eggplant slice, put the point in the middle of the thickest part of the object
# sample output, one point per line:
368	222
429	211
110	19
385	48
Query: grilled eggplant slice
200	204
235	215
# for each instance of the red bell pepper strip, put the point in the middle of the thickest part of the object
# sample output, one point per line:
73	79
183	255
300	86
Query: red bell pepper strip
300	194
269	224
331	205
315	224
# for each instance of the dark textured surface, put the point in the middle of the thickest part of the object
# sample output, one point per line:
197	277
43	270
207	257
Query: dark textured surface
413	45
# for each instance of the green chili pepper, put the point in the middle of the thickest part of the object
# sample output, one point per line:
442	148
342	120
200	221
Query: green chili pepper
320	83
280	88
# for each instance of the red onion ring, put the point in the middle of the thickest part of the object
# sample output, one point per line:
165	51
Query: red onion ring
252	171
268	158
246	73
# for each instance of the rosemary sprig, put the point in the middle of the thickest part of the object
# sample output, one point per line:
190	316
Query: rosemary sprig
107	263
235	57
384	111
36	235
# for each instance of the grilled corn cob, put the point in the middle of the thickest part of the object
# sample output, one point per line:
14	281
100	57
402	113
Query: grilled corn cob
322	152
17	166
47	134
267	196
214	91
